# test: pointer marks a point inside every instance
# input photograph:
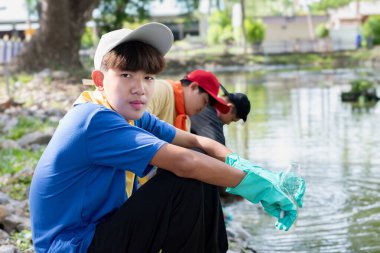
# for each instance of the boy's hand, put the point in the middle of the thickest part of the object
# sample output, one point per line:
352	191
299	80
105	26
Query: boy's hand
266	187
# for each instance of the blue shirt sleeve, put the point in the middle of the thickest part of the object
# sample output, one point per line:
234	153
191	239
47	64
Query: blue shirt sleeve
157	127
114	143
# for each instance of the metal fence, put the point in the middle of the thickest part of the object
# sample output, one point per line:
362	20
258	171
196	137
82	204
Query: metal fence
9	49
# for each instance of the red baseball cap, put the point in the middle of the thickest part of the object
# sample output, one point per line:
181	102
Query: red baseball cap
210	84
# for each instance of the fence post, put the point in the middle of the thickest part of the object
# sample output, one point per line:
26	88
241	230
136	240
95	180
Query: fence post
9	49
6	71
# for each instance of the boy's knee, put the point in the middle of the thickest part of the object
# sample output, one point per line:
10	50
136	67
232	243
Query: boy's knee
184	187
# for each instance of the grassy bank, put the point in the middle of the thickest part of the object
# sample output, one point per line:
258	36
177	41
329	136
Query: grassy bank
186	59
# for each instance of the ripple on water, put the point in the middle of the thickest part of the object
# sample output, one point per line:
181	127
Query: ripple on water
341	212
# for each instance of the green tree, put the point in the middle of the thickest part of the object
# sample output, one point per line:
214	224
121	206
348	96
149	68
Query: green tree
57	42
112	14
190	5
371	30
220	28
32	7
62	24
255	31
324	5
87	40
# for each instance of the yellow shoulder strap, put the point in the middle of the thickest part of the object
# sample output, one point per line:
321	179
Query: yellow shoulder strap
130	182
129	176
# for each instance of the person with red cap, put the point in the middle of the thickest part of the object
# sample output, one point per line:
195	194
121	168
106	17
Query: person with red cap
175	101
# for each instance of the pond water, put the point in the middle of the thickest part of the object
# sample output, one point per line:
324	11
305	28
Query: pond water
297	116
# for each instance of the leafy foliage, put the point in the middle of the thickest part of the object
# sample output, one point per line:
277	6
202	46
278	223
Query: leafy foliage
114	13
87	40
324	5
255	31
362	91
190	5
322	31
361	85
220	28
371	29
32	7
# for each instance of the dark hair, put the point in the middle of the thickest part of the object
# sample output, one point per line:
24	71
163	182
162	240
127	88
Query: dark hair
242	104
134	56
187	82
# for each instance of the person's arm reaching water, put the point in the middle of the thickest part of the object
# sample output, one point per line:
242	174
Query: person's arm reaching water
239	175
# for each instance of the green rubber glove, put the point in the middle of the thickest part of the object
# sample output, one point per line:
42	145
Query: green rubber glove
264	186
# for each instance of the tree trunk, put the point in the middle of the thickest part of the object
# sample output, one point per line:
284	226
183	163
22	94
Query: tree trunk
244	32
57	42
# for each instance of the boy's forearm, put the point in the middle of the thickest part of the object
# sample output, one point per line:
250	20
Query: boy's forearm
211	147
215	172
191	164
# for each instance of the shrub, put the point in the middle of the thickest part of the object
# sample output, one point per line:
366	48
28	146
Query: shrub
87	40
322	31
371	30
255	31
361	85
220	29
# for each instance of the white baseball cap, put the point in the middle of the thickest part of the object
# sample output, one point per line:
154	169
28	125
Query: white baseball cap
155	34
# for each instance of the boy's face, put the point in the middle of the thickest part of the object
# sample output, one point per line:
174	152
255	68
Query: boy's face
230	116
128	92
195	101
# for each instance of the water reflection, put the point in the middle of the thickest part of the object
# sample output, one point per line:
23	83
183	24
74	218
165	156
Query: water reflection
298	117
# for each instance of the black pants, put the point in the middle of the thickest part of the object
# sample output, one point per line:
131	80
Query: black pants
174	214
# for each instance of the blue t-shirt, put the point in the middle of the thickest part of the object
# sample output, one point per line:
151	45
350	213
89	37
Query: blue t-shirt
80	177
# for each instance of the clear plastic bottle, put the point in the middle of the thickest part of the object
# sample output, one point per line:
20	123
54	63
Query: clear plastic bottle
293	184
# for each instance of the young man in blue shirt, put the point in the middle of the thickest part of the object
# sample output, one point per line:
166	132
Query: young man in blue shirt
77	197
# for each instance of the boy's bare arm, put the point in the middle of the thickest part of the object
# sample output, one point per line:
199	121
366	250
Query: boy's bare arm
191	164
211	147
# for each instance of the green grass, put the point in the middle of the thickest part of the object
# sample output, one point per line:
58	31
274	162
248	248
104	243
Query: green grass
235	56
28	125
23	240
22	78
14	160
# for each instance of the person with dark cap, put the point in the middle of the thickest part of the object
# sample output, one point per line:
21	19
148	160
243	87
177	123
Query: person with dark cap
210	121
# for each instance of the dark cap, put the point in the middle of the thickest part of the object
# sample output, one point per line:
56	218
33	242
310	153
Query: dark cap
241	102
